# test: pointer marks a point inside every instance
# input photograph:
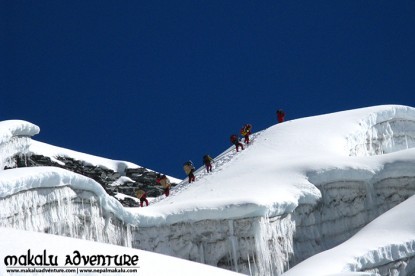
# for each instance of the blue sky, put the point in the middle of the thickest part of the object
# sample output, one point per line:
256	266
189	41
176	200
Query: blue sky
159	82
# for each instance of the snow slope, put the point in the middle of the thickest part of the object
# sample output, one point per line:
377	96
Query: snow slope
272	176
19	242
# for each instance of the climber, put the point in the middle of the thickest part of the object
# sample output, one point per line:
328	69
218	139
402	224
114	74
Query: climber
235	141
165	182
189	169
207	161
142	196
245	132
280	115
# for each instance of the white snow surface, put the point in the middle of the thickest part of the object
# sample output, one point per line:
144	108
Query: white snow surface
11	128
272	176
18	242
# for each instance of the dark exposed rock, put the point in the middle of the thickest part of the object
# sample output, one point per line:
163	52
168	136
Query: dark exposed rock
141	178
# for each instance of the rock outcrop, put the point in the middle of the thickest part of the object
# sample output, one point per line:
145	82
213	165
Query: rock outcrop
126	182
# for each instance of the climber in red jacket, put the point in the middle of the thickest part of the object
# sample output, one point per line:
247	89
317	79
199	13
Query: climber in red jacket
280	115
235	141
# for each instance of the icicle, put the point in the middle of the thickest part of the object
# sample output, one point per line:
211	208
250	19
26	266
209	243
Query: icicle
249	264
201	253
234	245
8	149
128	236
406	141
273	245
63	212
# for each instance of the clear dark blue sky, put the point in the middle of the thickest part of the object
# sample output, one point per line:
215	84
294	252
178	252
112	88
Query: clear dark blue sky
160	82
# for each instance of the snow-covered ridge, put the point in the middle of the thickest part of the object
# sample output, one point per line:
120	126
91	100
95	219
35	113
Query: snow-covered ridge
37	147
53	152
289	161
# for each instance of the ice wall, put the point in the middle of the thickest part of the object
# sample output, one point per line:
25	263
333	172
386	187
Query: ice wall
394	264
63	211
270	246
346	207
384	132
253	246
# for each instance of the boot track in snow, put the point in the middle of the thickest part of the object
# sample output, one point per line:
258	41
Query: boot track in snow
217	165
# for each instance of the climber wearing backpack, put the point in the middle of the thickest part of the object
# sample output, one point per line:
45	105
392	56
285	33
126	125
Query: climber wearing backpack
235	141
165	182
142	196
245	132
207	161
189	169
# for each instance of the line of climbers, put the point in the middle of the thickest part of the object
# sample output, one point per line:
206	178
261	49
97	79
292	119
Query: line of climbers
189	168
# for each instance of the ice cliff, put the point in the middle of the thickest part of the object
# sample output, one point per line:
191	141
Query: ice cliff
302	187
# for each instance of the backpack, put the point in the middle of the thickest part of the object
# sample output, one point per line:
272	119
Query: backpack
246	129
207	158
140	193
189	163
